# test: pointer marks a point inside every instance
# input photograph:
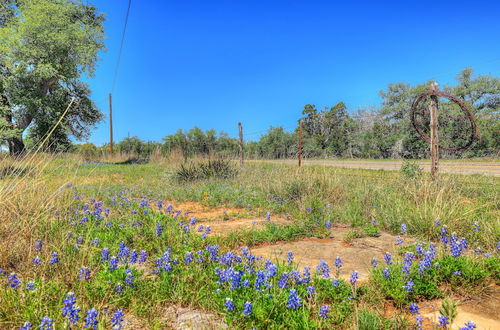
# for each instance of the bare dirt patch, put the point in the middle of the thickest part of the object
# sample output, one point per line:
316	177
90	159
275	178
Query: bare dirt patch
482	310
203	212
356	254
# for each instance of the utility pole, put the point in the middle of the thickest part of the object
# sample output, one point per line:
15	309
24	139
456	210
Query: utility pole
300	143
110	125
433	107
242	152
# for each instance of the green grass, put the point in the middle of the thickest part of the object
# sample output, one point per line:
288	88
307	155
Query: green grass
45	208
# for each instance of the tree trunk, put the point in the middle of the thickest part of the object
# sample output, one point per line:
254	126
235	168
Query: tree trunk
16	145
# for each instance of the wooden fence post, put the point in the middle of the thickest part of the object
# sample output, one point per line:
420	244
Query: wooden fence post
299	153
242	151
433	109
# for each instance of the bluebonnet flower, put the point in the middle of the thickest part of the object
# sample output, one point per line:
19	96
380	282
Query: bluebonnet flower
113	263
54	258
294	300
409	286
38	245
444	235
323	311
311	291
188	258
306	277
469	326
455	246
268	216
335	283
387	273
192	222
260	280
30	286
374	262
323	268
419	322
338	262
105	254
69	310
79	240
108	224
14	282
36	260
160	205
407	262
476	225
498	246
117	319
47	323
26	326
388	258
201	228
328	224
418	249
143	256
399	240
354	278
133	257
159	230
118	288
207	230
247	308
84	273
443	321
123	251
129	279
403	229
437	223
94	241
374	222
487	255
290	257
283	282
413	309
91	319
308	209
229	305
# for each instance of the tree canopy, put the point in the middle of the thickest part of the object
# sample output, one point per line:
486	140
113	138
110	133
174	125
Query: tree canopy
46	47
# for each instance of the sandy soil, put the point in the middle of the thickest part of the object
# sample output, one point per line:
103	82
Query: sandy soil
455	167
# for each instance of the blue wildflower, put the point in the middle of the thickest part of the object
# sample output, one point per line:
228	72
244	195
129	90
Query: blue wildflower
413	309
374	262
38	245
328	224
129	279
403	229
113	263
91	319
26	326
54	258
143	256
388	258
36	260
387	273
268	216
323	311
323	268
290	257
84	273
105	254
229	305
469	326
311	291
354	278
409	286
247	308
159	230
14	282
133	257
30	286
443	321
117	319
399	240
47	323
69	310
294	300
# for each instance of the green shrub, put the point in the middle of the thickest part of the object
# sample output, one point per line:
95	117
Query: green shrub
216	169
411	170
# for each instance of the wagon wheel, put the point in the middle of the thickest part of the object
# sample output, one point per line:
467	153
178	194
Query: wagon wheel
468	114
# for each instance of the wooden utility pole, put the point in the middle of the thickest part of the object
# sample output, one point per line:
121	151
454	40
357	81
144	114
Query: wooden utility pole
299	153
110	125
433	109
242	152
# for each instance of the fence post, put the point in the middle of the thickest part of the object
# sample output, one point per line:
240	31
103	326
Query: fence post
110	125
242	152
433	109
299	153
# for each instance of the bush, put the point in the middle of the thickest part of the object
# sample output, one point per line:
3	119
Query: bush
217	169
411	170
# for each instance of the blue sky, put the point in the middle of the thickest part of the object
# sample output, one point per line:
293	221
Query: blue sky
214	63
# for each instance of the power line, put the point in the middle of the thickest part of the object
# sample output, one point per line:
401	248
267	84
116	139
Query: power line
121	47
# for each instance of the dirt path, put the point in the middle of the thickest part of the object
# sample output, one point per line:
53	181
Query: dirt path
455	167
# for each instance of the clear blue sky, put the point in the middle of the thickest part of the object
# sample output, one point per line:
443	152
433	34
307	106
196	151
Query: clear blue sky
214	63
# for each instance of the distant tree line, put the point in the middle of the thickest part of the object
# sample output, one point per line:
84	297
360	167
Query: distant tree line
383	132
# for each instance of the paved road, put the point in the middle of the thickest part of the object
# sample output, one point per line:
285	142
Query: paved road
487	168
